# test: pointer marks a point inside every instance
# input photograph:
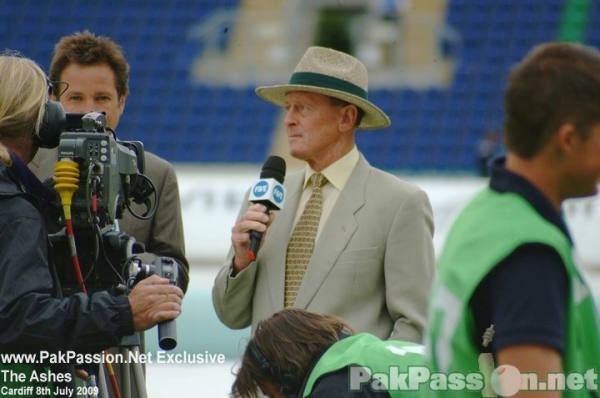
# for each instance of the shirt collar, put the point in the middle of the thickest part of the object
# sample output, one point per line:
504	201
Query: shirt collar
337	173
503	180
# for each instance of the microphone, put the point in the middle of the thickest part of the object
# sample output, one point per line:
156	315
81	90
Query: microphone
268	191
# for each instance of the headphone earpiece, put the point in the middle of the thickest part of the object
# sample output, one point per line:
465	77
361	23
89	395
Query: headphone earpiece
288	383
53	124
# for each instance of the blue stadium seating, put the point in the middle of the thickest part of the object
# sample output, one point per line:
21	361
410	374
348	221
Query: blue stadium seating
435	130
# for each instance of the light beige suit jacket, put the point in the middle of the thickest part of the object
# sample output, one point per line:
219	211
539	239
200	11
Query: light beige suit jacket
372	265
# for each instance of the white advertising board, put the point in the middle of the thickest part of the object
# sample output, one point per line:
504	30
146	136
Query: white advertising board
211	197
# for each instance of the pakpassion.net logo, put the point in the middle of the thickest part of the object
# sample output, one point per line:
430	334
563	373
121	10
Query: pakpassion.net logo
504	381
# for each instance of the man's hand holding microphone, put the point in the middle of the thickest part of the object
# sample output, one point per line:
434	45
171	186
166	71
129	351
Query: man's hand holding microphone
266	195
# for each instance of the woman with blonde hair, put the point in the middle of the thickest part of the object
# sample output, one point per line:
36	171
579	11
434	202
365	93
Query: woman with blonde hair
35	318
23	94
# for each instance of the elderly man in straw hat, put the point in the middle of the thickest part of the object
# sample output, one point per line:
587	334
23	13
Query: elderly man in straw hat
368	257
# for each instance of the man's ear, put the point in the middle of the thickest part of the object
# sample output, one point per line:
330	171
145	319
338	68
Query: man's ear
349	115
122	104
567	138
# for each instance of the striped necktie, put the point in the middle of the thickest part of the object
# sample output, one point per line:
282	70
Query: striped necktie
302	241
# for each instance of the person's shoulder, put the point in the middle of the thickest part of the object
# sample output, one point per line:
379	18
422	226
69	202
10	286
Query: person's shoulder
158	170
392	182
156	161
18	208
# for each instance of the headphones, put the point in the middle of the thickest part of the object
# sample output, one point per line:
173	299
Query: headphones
54	123
288	383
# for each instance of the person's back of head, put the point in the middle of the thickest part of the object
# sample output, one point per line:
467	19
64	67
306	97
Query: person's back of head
23	94
284	347
554	84
86	48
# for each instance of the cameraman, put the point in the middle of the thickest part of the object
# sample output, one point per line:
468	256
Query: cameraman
35	318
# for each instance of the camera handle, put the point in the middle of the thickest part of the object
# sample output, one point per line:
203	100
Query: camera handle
167	331
165	267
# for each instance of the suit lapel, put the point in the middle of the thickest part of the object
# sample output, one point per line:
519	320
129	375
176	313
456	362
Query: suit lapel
336	233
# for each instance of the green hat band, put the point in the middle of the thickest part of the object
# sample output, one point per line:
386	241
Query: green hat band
328	82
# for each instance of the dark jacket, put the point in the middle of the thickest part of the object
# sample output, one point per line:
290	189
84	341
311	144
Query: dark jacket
34	317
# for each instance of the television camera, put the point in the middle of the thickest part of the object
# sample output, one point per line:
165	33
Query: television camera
112	171
97	178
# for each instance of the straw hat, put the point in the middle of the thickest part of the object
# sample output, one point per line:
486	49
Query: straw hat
333	73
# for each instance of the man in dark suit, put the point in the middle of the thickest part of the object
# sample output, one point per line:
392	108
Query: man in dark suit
373	259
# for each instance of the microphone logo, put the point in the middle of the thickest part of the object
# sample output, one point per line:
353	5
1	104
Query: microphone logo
278	195
261	188
268	192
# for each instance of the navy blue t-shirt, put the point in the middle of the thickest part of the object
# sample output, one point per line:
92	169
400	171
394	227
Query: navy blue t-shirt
525	296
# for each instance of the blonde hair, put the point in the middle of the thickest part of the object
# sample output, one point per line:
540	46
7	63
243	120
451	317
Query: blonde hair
23	95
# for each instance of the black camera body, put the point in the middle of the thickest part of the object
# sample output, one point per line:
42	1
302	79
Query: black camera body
103	174
167	268
108	170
